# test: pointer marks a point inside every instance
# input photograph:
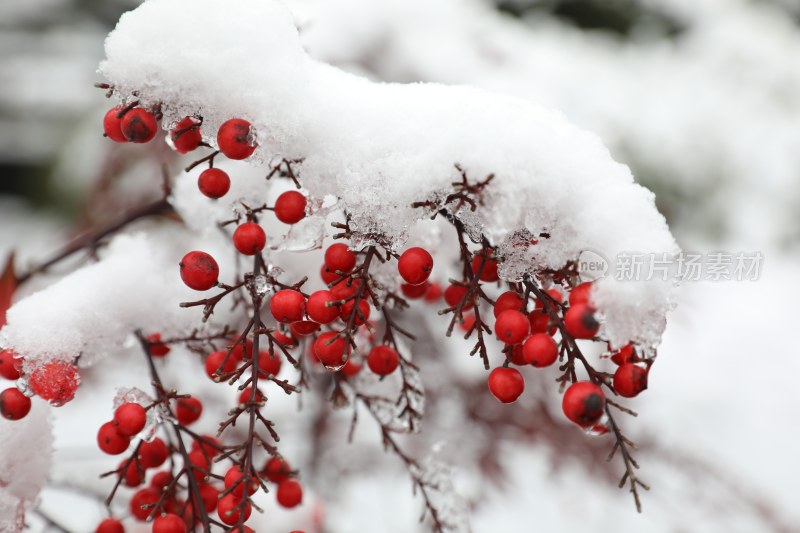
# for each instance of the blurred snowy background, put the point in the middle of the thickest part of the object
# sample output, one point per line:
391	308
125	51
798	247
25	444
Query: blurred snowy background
700	98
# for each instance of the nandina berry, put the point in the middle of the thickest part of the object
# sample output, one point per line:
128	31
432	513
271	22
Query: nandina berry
217	365
269	363
626	354
110	525
584	403
434	292
209	496
132	474
383	360
139	125
350	368
580	294
454	294
142	503
360	315
188	410
508	301
506	384
329	349
540	322
169	523
540	350
340	258
55	381
467	323
413	292
157	348
110	441
317	309
214	183
516	355
242	350
229	507
234	477
345	289
13	404
199	464
328	276
290	207
207	444
630	379
290	493
153	454
112	125
276	470
161	480
249	238
546	302
303	328
287	305
130	419
199	271
415	265
235	139
489	271
10	365
284	340
247	394
511	327
580	322
186	135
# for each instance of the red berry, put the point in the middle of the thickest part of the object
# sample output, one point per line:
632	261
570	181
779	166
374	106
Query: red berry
247	394
276	470
338	257
434	292
328	276
13	404
157	348
214	363
112	125
139	125
142	503
209	496
188	410
228	509
234	478
269	363
169	523
383	360
161	480
207	445
415	265
468	323
350	368
130	419
453	295
110	525
540	322
540	350
506	384
290	207
199	271
290	493
511	327
110	441
413	292
489	271
10	365
317	309
287	305
580	322
242	350
554	294
302	328
249	238
626	354
153	454
516	355
235	140
199	464
508	301
580	294
584	403
329	349
345	289
132	474
360	316
629	380
214	183
284	340
55	381
186	135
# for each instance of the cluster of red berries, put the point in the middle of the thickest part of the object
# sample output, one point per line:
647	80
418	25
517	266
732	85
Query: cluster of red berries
54	381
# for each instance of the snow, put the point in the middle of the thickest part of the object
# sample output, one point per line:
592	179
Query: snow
380	147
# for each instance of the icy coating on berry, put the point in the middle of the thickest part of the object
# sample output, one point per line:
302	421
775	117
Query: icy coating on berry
381	147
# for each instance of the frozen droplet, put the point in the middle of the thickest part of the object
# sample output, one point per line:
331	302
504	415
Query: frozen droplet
304	236
22	385
260	285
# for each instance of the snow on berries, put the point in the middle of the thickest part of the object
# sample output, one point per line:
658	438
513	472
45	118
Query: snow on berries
55	381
